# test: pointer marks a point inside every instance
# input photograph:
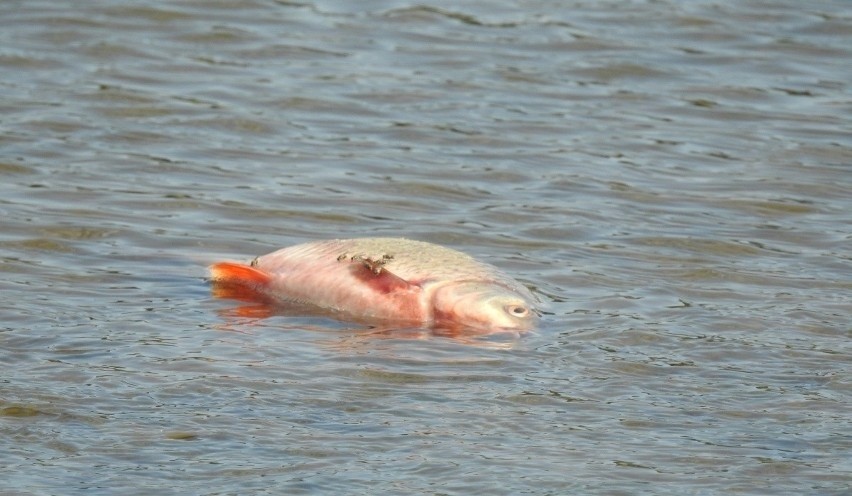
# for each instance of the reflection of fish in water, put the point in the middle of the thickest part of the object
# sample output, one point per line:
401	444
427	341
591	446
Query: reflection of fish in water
393	280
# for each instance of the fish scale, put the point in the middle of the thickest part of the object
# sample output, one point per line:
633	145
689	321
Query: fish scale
412	260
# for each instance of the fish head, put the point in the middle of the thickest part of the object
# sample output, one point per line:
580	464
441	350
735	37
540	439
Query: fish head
484	306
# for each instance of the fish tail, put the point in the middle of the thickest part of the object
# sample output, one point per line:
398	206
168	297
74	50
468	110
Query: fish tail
237	273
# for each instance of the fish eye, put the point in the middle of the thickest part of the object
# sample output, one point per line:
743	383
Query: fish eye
517	310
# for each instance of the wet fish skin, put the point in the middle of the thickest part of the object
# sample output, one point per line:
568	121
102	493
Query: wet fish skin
390	279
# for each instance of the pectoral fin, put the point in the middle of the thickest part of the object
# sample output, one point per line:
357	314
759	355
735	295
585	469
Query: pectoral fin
376	275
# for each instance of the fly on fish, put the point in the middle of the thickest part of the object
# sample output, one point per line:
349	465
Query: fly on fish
392	280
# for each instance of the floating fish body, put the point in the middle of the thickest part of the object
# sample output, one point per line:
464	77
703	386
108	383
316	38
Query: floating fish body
395	280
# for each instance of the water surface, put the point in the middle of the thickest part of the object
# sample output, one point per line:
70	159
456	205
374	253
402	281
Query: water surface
671	178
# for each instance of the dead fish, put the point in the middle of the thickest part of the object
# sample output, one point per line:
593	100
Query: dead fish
393	280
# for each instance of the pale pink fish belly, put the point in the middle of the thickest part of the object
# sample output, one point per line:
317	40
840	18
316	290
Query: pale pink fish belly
391	279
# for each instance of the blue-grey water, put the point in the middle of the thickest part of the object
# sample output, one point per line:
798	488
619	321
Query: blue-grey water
672	178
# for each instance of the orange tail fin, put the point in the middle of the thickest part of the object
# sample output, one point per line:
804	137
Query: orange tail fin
236	273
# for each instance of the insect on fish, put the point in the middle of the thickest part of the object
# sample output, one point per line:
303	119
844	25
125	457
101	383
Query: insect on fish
394	280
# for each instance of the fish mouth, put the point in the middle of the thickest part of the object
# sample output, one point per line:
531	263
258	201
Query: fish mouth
452	326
